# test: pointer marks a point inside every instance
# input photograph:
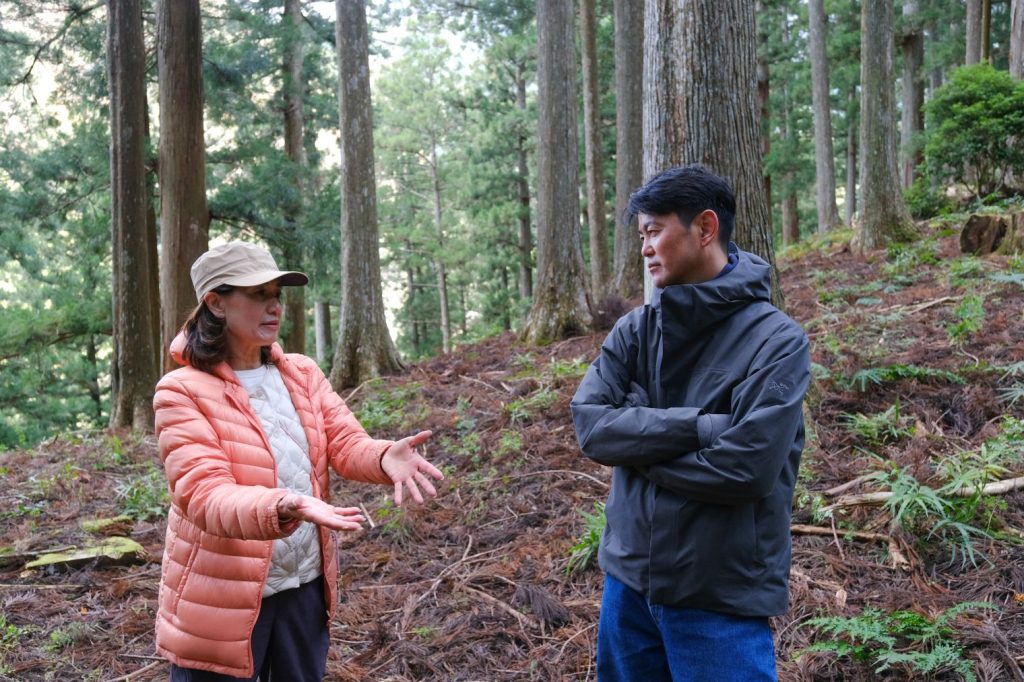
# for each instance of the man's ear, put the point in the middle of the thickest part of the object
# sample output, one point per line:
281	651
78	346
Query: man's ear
707	222
213	302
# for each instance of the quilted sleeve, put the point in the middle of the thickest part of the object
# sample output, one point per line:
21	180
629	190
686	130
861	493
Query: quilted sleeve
352	452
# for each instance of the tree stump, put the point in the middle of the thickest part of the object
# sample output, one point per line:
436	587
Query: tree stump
985	234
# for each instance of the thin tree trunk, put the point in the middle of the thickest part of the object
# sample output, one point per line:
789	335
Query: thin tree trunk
705	106
442	274
561	306
973	23
629	72
322	327
184	218
365	349
885	218
913	93
790	216
600	279
523	184
1017	39
294	338
824	158
986	30
134	370
852	146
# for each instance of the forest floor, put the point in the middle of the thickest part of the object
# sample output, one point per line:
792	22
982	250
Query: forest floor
474	584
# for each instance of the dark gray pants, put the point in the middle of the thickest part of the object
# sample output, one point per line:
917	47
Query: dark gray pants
289	641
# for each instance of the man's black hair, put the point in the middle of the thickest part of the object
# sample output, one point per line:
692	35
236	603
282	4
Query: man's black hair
687	191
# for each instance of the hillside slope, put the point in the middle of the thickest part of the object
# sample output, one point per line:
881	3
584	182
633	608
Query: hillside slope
473	585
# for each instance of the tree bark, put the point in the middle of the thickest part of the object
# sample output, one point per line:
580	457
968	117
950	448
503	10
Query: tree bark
986	30
600	279
913	93
322	327
790	216
704	108
629	72
135	368
884	217
561	306
184	218
294	337
365	349
523	184
824	158
973	28
1017	39
764	105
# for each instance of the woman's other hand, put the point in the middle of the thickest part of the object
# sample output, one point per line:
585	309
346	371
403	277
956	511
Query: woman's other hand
307	508
408	469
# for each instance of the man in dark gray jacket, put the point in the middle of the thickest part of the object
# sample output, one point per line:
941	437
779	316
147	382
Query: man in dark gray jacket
696	402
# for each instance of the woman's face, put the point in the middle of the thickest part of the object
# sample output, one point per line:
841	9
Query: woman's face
252	318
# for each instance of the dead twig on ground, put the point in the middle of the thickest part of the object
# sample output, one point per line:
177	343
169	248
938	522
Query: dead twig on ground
879	497
899	557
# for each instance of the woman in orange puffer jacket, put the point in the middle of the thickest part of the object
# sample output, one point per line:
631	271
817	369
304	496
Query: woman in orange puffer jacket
246	435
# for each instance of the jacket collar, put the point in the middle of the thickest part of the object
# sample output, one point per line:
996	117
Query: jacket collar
685	310
223	370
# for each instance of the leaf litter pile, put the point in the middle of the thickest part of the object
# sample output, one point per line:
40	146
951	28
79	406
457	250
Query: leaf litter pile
908	531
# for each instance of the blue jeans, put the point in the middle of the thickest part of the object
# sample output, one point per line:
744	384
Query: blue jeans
643	642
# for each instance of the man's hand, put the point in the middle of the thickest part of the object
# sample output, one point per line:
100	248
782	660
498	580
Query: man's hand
408	469
307	508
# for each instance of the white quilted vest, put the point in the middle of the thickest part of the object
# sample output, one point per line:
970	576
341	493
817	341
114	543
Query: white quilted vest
296	558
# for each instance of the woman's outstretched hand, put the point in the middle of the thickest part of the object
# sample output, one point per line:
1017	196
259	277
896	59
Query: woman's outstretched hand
408	469
306	508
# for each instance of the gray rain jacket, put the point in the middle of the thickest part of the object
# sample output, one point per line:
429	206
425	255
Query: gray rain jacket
696	401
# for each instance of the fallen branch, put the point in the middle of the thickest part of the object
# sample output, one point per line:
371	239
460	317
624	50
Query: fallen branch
899	558
522	618
842	488
132	675
546	471
880	497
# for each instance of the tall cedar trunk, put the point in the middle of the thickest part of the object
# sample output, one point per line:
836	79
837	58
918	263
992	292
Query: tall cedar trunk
184	218
506	317
1017	39
884	218
629	71
973	55
442	274
365	348
294	338
561	306
913	93
824	159
704	108
322	328
523	185
600	279
852	144
763	105
134	370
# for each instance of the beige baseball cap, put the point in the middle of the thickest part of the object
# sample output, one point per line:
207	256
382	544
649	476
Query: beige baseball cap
239	264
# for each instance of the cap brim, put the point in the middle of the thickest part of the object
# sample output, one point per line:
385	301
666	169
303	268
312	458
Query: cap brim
289	278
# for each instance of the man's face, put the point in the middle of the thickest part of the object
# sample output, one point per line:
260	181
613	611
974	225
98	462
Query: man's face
672	252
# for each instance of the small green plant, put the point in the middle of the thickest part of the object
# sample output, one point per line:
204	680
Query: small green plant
902	641
904	258
10	634
1015	391
965	268
387	411
144	496
889	373
524	409
969	315
67	636
584	551
510	442
1008	278
884	427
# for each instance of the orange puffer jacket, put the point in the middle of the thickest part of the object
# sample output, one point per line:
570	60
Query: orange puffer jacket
223	516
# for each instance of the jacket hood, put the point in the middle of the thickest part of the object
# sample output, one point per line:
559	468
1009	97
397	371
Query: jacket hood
685	310
223	370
